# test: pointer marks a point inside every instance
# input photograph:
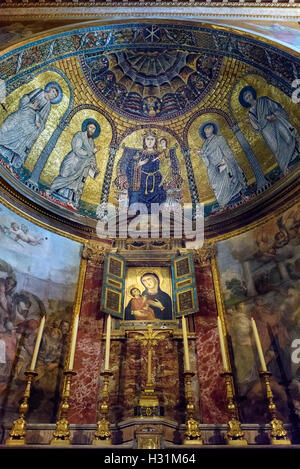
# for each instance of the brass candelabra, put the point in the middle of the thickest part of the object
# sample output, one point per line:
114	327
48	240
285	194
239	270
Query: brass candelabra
278	433
102	435
192	435
17	433
235	435
61	435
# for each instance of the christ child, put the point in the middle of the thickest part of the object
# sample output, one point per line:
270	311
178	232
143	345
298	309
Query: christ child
140	307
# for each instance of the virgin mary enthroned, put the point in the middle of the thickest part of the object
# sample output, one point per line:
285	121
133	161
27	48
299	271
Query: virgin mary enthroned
139	173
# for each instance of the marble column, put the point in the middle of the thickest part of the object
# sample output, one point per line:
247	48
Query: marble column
85	385
212	388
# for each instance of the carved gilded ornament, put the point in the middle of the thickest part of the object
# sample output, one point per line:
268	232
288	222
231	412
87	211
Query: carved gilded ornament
204	255
94	253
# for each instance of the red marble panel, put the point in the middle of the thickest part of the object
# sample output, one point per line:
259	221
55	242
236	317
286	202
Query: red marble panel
85	385
209	361
129	362
129	366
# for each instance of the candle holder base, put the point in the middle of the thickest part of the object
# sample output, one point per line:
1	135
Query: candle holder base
193	443
275	441
192	434
278	433
235	435
99	442
15	442
148	399
57	442
241	442
18	432
61	434
102	436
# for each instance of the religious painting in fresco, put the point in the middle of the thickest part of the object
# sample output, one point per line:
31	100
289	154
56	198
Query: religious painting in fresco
34	282
148	294
260	276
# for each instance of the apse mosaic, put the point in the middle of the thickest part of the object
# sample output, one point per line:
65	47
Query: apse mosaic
152	113
143	83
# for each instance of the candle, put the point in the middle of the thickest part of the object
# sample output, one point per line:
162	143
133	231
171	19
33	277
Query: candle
258	346
37	343
73	342
107	348
185	345
222	344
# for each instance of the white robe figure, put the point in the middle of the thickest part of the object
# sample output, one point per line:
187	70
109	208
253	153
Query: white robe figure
279	134
21	129
225	176
75	168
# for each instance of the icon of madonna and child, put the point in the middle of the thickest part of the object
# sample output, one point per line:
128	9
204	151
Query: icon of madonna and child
151	304
150	174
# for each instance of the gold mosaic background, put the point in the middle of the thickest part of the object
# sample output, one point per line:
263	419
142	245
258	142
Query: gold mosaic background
233	76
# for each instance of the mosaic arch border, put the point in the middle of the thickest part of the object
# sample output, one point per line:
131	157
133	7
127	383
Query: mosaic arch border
83	27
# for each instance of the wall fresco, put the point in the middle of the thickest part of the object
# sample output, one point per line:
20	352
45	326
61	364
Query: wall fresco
34	283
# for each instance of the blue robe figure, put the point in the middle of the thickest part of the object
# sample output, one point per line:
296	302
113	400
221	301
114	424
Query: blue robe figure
141	169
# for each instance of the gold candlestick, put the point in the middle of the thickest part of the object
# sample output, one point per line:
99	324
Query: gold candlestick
187	364
222	345
37	343
258	346
278	433
102	435
18	432
192	435
235	435
61	435
107	343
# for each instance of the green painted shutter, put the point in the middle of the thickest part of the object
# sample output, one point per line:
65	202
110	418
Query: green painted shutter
112	301
184	286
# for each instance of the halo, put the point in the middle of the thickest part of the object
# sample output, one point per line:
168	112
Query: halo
205	124
86	122
54	84
241	95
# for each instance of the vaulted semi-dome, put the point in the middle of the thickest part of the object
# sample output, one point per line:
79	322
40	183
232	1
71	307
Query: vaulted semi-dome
220	106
